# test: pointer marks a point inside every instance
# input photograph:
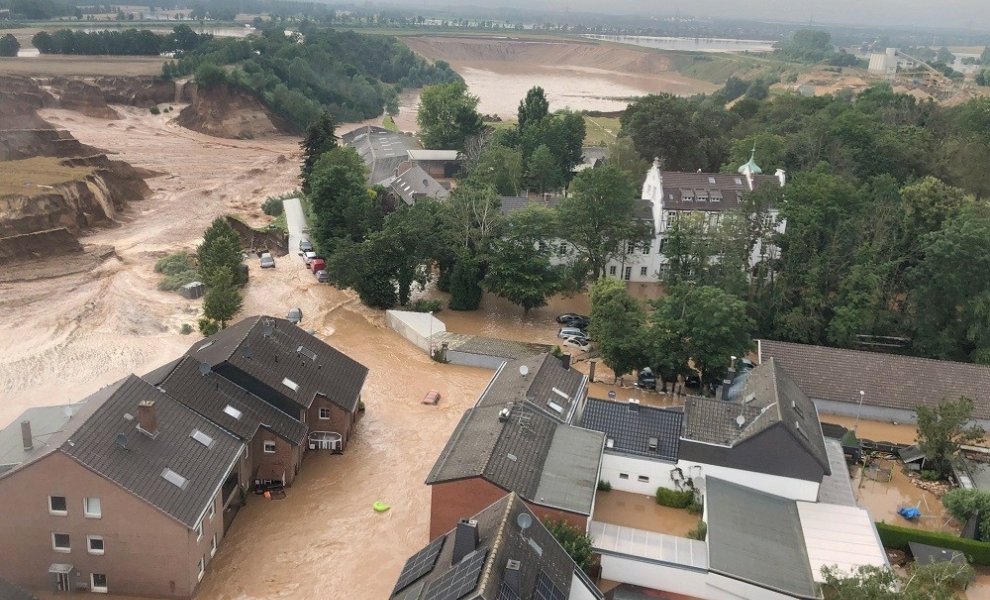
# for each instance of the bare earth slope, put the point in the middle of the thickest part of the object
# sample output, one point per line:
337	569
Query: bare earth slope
222	112
575	74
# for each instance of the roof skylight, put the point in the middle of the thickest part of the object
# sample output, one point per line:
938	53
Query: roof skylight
201	437
292	385
174	478
233	412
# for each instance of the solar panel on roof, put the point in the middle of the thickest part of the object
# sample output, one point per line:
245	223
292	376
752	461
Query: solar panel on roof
459	581
506	593
546	590
419	564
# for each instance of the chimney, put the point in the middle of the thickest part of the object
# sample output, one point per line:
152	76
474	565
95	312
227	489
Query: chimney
26	436
147	417
781	176
465	540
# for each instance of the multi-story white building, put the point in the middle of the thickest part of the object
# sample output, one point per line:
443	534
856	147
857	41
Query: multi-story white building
668	195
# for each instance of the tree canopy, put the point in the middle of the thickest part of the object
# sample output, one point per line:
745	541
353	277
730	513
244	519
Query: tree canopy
320	137
9	46
448	116
943	429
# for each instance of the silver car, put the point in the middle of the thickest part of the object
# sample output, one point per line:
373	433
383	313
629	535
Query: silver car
267	262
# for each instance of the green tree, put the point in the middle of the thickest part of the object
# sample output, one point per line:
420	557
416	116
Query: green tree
9	45
598	213
341	205
448	116
943	429
209	75
964	503
575	542
542	170
533	108
43	42
934	581
465	282
702	323
660	126
223	299
320	137
500	167
622	155
617	325
521	268
985	56
220	253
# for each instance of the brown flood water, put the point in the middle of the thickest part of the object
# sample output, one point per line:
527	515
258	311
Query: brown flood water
642	512
875	430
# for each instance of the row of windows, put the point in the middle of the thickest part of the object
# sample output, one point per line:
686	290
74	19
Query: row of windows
640	478
201	563
62	542
642	271
59	506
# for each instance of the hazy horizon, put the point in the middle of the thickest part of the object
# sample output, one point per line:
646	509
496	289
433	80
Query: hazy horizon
925	14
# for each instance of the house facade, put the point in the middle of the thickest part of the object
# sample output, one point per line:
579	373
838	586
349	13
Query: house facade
672	195
123	493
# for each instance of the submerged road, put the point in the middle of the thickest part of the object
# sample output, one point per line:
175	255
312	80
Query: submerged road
295	219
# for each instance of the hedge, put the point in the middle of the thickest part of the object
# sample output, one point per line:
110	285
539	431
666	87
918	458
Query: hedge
978	553
674	499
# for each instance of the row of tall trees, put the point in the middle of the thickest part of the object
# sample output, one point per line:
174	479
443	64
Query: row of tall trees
125	42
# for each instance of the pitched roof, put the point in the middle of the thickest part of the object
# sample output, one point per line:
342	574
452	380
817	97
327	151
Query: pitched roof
708	191
524	450
382	150
281	356
548	385
434	155
9	591
50	427
889	380
769	397
635	429
500	540
415	183
757	537
210	394
140	466
511	204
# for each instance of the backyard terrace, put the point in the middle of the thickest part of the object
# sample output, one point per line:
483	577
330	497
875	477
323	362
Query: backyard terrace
642	512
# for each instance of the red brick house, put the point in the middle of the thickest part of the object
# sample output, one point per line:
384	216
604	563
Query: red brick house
125	492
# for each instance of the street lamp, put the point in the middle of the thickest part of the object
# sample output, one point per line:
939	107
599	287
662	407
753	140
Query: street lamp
859	410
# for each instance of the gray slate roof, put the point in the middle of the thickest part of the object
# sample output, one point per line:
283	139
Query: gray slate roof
382	150
768	398
631	427
502	540
546	373
9	591
209	394
266	351
757	537
50	427
138	468
414	184
729	189
889	380
529	453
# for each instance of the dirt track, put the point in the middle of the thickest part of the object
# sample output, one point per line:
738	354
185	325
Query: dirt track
51	65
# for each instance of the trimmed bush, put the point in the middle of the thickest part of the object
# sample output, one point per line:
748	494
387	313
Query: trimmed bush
977	553
425	306
178	269
272	207
604	486
674	499
208	327
186	329
699	532
154	110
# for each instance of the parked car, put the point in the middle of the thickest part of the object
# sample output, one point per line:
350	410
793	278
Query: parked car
578	343
267	262
566	332
646	379
322	276
574	320
309	256
432	397
305	245
294	316
318	264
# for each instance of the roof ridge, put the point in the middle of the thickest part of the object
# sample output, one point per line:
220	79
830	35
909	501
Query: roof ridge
884	354
497	544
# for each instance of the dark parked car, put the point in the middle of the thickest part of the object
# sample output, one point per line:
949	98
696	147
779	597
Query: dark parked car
305	245
574	320
646	379
294	316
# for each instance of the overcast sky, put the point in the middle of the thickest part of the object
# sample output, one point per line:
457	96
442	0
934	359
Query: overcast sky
956	14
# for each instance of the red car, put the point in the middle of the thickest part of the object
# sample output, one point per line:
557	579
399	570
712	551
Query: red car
318	264
432	397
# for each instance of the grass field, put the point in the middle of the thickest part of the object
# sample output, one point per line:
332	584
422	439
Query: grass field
57	64
598	130
34	176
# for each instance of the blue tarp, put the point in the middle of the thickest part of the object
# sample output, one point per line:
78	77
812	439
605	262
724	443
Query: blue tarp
909	512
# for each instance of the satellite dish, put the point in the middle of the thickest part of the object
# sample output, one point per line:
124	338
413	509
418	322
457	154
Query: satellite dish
523	370
740	421
204	369
524	520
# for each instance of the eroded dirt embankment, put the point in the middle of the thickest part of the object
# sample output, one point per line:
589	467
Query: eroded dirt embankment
228	113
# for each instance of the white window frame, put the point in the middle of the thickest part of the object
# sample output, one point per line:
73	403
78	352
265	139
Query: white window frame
611	270
58	513
623	475
213	545
643	479
273	446
199	531
326	418
201	568
642	271
86	507
213	509
102	589
63	549
89	544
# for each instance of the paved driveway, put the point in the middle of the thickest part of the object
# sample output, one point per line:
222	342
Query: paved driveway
295	218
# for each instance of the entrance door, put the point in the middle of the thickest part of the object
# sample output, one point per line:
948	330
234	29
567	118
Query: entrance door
628	274
62	582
